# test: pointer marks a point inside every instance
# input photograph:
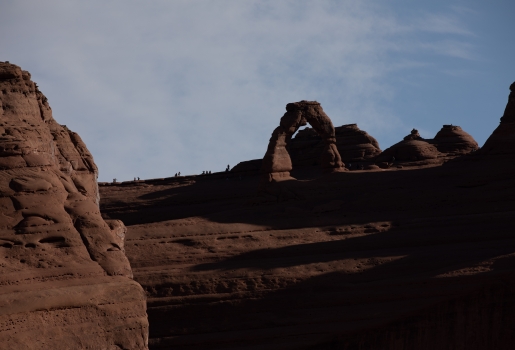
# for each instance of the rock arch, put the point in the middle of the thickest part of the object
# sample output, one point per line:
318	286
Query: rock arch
277	162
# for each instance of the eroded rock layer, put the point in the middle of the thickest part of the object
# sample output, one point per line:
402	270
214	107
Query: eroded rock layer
65	281
400	259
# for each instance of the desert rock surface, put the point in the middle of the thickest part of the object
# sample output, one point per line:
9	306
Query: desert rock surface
398	258
65	282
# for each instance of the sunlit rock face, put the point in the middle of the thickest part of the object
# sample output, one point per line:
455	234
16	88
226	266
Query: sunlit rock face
60	260
502	140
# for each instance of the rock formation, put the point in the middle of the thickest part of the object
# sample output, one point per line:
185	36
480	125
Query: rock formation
353	144
450	141
502	140
65	281
411	149
277	162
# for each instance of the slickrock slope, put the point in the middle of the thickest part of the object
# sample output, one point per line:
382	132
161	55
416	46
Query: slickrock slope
411	258
65	282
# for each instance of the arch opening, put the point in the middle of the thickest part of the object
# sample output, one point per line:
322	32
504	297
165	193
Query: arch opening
277	162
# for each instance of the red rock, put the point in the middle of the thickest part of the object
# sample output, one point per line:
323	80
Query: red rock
452	140
354	145
449	142
411	149
502	140
65	281
277	162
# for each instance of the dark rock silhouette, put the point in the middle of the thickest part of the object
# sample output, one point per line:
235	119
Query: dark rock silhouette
449	142
60	261
277	162
353	144
502	140
412	148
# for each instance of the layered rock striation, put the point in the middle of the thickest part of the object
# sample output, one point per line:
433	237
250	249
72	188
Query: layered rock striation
65	281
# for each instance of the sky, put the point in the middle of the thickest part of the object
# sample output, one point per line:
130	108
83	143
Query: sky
161	86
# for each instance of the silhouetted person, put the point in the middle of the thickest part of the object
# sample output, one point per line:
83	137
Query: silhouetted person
114	180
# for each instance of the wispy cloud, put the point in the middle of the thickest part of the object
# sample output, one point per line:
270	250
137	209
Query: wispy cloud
187	86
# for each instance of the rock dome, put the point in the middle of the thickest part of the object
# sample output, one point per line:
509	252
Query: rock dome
452	140
411	149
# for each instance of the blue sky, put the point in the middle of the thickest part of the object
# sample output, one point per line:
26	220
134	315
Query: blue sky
158	87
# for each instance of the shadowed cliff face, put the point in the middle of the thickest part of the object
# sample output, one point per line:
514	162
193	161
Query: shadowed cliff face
395	258
50	224
502	140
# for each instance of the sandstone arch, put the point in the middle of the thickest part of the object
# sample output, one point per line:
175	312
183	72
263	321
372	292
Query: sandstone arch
277	162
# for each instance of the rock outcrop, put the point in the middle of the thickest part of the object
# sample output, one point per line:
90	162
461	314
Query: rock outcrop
450	141
277	162
353	144
65	281
502	140
412	148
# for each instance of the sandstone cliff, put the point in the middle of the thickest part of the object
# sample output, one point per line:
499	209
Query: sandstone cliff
502	140
65	281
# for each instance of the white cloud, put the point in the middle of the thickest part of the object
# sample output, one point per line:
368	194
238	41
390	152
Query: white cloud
159	87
